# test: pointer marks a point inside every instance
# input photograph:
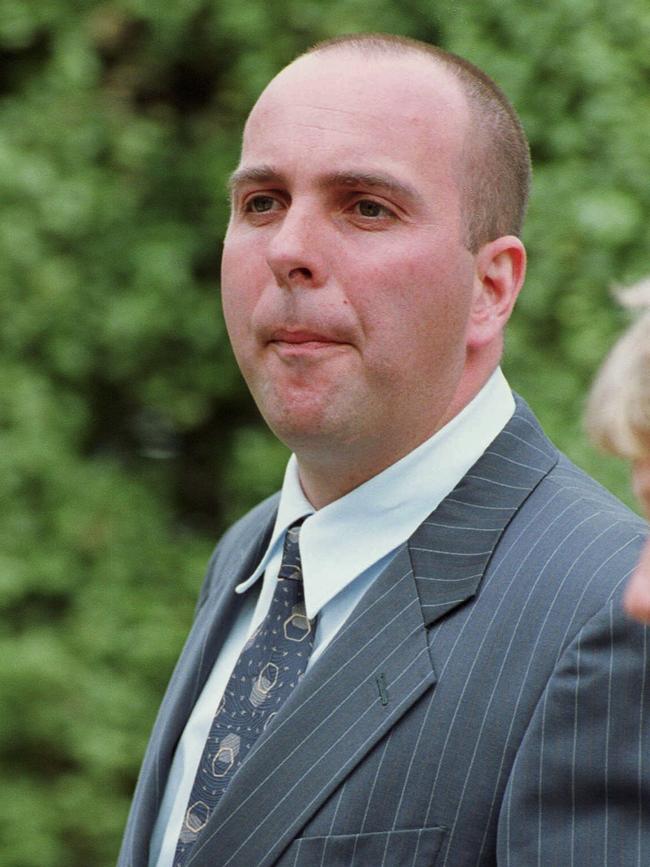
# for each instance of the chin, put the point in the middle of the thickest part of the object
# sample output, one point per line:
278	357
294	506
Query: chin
295	410
298	431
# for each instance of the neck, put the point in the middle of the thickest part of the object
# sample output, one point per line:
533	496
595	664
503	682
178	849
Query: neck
324	481
329	471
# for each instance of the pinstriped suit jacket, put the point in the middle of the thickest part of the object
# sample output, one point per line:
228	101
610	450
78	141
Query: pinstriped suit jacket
486	703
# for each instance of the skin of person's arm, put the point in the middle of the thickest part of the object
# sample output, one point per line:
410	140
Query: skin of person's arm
637	593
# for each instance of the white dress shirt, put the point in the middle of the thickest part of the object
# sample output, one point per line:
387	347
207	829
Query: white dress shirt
344	547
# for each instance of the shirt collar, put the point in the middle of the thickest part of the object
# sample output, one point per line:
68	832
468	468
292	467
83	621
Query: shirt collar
346	537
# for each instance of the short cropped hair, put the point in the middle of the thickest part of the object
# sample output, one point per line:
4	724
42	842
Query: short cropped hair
495	166
618	409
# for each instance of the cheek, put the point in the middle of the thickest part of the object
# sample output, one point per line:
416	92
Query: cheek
239	291
414	319
433	302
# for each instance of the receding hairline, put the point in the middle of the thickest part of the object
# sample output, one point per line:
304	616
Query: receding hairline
386	47
387	44
352	47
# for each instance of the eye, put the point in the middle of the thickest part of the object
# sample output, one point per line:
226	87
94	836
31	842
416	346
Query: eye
371	209
260	204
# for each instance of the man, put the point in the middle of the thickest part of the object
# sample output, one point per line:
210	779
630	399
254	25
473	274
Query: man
473	693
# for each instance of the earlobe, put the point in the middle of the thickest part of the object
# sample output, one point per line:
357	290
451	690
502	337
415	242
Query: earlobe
499	275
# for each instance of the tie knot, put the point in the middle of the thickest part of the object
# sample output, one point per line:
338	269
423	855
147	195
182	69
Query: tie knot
291	567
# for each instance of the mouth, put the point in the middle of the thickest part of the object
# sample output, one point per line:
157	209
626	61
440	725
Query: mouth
299	340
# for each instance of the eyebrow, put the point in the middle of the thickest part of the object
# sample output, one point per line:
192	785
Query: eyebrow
266	174
262	174
371	180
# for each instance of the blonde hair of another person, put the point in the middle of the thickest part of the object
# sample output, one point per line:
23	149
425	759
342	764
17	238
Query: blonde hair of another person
618	420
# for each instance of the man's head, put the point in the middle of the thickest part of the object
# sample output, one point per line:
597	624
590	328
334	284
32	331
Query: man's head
362	317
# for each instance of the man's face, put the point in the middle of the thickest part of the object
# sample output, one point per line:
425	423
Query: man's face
346	285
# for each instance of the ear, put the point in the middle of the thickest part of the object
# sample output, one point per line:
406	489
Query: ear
500	268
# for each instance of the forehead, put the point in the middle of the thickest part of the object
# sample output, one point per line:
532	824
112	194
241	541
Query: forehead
338	104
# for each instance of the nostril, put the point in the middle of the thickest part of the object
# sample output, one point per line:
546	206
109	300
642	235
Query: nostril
303	273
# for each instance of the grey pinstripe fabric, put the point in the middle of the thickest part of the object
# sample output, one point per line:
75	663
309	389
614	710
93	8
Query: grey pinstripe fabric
486	703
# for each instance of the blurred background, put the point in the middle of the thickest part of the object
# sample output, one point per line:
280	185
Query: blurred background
127	439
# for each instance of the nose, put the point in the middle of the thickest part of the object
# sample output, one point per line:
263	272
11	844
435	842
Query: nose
297	251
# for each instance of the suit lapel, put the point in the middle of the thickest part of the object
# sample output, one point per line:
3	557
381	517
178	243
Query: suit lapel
379	664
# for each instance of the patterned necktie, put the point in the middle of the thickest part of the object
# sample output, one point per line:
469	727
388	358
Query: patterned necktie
269	667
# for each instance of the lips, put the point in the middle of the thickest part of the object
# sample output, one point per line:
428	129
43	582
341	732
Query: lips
299	337
303	344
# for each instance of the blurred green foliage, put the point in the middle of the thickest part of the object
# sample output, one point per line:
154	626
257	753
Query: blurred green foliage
127	439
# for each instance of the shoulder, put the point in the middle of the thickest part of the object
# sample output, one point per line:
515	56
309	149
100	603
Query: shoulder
569	498
571	545
565	495
577	493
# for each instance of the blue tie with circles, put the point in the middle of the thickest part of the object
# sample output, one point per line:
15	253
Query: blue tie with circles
269	667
